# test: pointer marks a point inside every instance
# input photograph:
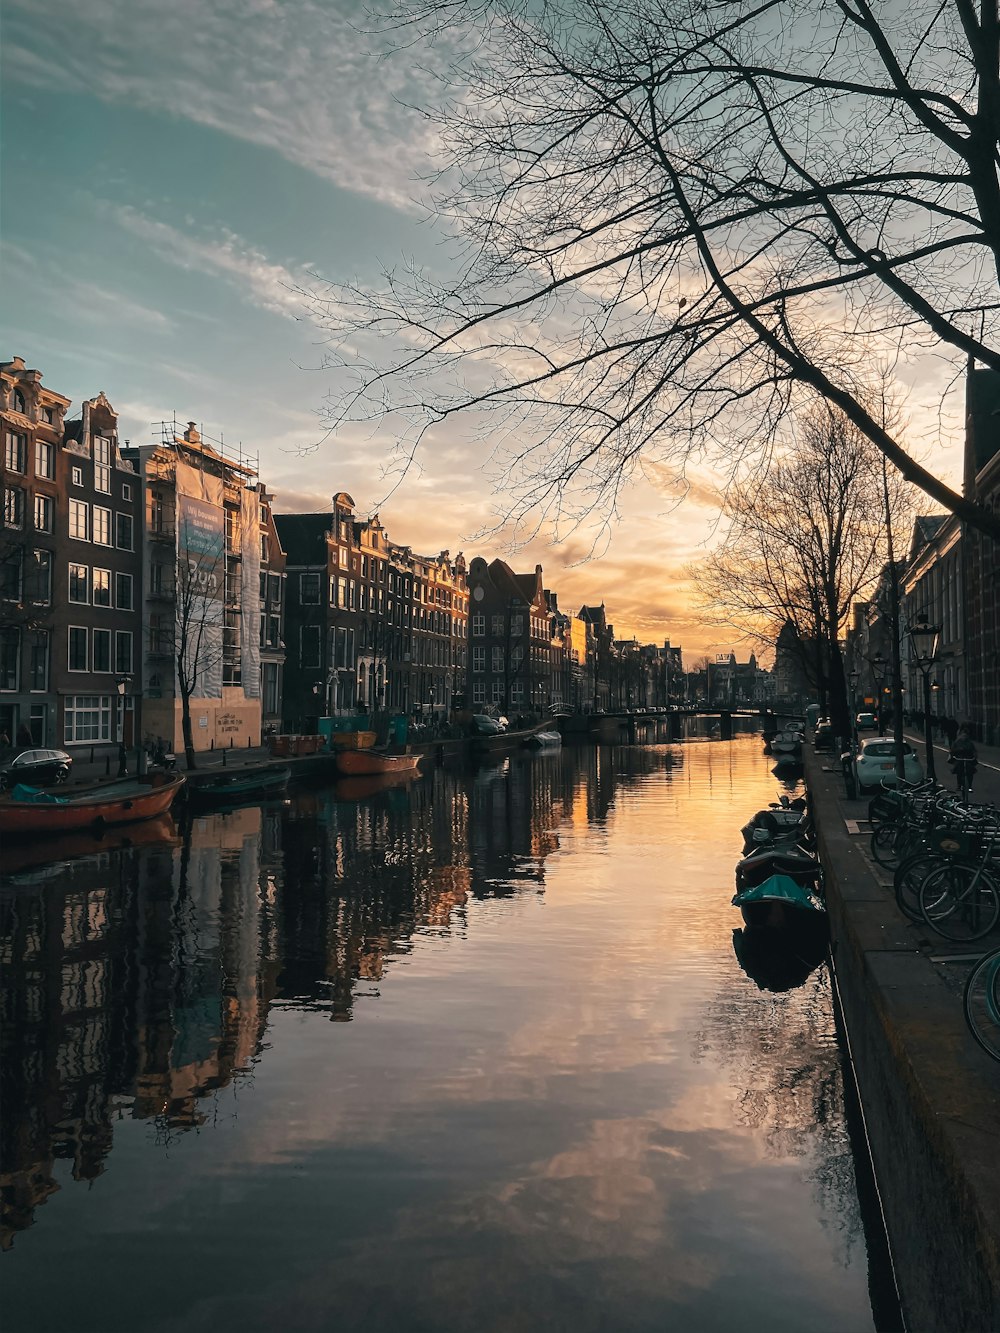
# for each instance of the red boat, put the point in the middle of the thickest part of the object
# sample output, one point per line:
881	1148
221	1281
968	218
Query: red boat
98	807
368	763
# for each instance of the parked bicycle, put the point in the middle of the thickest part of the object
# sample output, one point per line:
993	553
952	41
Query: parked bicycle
982	1003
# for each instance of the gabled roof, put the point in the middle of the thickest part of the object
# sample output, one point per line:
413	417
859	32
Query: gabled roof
303	537
925	528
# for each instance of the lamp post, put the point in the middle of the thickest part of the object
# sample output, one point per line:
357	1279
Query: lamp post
853	676
121	683
879	666
924	642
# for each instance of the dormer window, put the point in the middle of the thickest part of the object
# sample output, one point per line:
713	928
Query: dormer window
48	416
18	402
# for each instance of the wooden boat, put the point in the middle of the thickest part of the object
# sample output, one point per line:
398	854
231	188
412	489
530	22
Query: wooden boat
247	782
781	902
103	806
509	740
367	763
787	742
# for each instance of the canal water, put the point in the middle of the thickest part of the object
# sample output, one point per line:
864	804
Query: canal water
474	1052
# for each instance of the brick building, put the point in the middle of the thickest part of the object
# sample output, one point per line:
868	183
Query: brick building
70	567
510	644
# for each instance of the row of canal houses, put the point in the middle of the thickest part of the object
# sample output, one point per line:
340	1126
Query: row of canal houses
117	561
949	580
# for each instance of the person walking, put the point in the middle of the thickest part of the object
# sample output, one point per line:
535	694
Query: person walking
963	760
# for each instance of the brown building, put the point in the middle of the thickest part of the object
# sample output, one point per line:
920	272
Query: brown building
371	625
510	641
70	564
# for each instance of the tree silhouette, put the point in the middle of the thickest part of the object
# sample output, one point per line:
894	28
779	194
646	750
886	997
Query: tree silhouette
681	220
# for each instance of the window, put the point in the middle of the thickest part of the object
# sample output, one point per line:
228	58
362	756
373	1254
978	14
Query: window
38	667
38	578
11	573
123	652
45	460
517	692
13	507
78	645
269	672
102	465
126	490
45	513
309	589
479	659
123	591
15	451
19	403
10	658
274	588
79	520
343	557
498	691
274	631
101	581
479	691
309	646
497	664
102	649
76	476
496	625
265	549
102	525
517	625
48	415
478	625
79	584
87	718
123	532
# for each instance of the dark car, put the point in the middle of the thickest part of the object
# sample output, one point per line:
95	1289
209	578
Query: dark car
36	768
823	737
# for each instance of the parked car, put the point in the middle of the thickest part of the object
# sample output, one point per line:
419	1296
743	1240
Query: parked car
866	722
875	764
823	737
36	768
486	725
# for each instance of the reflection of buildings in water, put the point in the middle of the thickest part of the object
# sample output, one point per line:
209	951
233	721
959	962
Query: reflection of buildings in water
132	985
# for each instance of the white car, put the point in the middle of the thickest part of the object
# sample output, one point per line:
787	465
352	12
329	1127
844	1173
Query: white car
876	763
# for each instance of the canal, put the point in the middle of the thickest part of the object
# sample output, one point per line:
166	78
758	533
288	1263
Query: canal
474	1052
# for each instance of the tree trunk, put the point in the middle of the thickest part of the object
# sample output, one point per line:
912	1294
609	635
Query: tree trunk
186	731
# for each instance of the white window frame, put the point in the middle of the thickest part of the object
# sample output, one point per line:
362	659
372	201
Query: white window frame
76	508
479	659
130	604
310	601
93	588
479	691
76	476
15	453
73	572
45	454
81	629
47	505
105	637
124	518
95	523
96	708
478	626
124	666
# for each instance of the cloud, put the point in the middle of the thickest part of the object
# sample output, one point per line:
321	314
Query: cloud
265	283
299	77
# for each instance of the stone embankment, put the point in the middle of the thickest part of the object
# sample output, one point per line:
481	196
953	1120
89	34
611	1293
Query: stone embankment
931	1097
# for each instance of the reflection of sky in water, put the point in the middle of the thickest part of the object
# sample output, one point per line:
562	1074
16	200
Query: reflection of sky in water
566	1108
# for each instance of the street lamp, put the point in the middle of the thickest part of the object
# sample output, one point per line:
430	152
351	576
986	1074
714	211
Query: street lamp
122	683
924	642
879	667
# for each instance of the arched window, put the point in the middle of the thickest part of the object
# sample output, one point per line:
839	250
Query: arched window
18	404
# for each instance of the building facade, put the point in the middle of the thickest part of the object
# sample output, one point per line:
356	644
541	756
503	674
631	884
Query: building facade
511	650
70	571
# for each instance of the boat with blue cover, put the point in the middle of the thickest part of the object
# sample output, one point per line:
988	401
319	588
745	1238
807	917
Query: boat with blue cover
781	901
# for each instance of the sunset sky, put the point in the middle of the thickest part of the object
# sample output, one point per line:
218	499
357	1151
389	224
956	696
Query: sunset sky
175	173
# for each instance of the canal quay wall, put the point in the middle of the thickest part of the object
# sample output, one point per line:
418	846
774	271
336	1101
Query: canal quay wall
931	1097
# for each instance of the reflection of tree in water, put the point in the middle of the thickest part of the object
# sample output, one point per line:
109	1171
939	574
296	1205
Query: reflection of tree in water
781	1052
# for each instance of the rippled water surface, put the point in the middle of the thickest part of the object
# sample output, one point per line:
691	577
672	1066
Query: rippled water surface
471	1053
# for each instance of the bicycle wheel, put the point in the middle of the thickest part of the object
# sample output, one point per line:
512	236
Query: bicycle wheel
982	1003
959	901
885	845
910	874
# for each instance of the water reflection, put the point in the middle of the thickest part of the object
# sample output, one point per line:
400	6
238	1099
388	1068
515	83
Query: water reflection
554	1055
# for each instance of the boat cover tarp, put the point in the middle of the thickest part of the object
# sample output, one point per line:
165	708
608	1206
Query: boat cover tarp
34	796
780	888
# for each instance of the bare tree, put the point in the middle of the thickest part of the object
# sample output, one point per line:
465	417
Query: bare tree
803	545
680	220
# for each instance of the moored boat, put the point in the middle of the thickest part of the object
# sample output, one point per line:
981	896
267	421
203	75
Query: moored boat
27	812
246	782
781	902
544	739
787	742
367	763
